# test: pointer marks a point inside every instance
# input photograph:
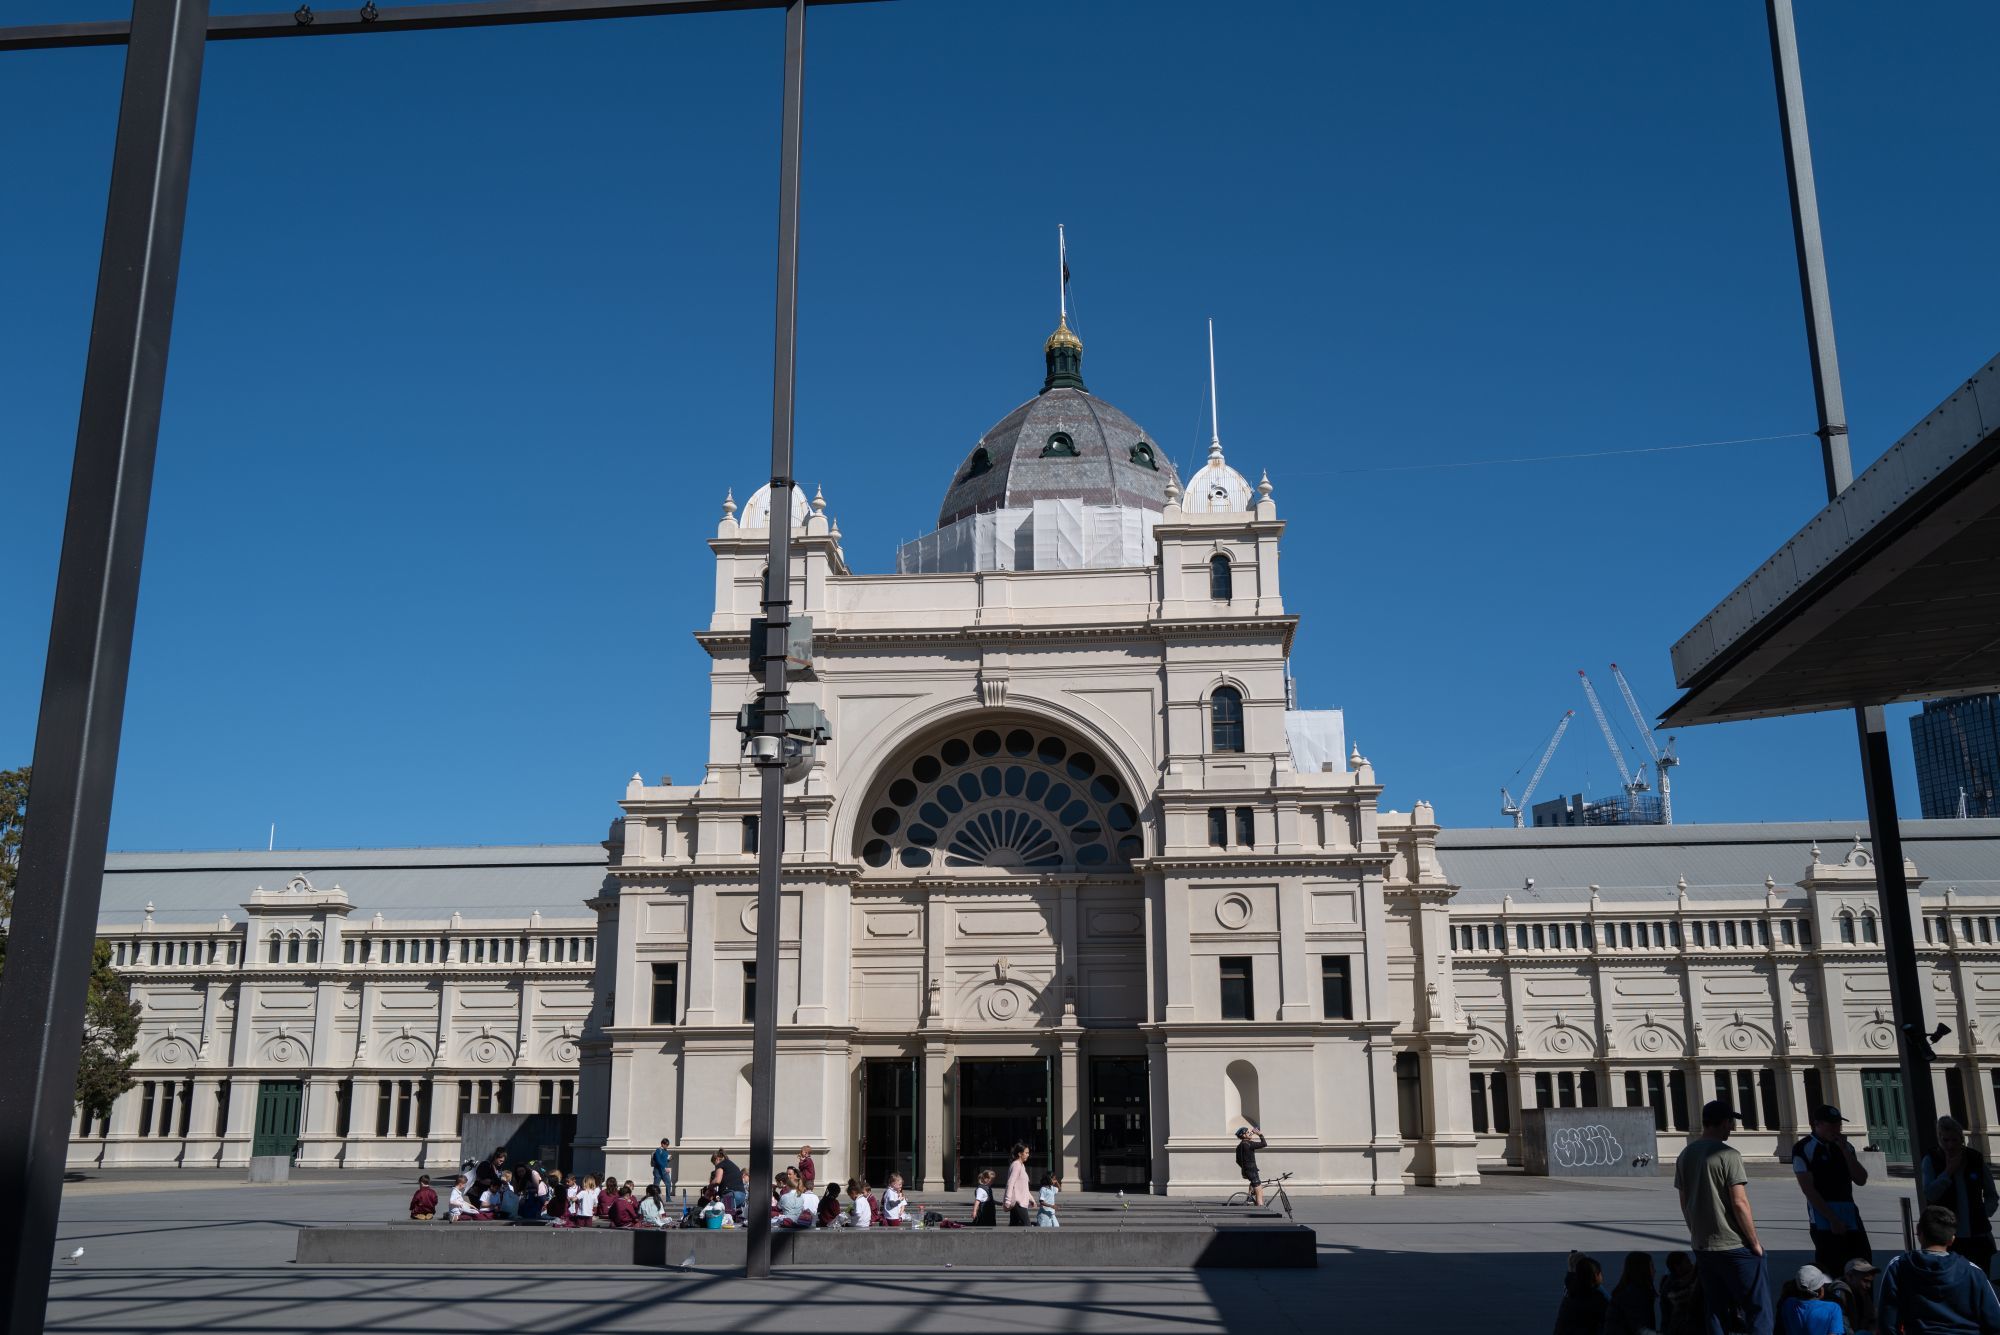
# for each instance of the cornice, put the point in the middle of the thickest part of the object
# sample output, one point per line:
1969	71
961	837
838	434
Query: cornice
1261	861
718	642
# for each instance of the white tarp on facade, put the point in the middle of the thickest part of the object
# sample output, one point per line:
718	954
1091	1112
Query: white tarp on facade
1318	738
1053	535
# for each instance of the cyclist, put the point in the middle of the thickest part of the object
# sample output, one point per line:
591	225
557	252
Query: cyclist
1249	1140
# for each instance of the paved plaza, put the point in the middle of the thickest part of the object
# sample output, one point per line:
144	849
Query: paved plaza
168	1252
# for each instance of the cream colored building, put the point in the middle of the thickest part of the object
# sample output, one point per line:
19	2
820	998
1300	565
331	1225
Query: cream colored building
1073	870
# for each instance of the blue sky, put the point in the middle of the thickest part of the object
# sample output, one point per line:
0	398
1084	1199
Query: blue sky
474	331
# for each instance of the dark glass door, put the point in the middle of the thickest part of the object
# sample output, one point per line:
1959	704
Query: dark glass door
277	1126
1000	1103
1121	1151
889	1120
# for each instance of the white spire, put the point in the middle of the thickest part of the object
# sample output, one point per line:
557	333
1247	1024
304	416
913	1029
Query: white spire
1214	430
1062	277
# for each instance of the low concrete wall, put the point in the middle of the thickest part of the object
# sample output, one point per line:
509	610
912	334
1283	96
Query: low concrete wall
1589	1142
455	1246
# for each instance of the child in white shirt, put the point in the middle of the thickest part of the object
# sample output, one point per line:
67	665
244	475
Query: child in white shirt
1045	1213
892	1200
863	1212
982	1200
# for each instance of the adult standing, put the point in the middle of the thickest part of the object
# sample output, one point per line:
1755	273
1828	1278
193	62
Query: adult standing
1020	1197
1958	1178
726	1177
1249	1140
663	1168
1828	1171
1715	1202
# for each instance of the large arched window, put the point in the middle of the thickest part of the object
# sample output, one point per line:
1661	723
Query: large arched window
292	949
277	947
1847	929
1002	799
1221	586
1225	713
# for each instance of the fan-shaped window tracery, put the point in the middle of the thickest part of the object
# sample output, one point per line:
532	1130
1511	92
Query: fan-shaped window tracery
1003	798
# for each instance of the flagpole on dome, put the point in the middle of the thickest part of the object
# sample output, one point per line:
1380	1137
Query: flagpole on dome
1214	429
1062	284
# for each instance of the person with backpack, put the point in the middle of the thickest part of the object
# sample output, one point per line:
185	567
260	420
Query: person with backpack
1934	1291
1828	1171
663	1168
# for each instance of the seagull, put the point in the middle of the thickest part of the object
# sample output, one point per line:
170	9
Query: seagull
74	1256
689	1263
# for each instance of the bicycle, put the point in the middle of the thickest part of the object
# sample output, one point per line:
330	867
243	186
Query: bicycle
1276	1185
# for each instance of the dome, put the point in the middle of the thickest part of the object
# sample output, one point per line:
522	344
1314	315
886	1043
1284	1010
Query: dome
1216	488
757	510
1063	444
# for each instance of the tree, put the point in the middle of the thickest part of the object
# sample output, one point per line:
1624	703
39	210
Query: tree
110	1016
13	811
110	1038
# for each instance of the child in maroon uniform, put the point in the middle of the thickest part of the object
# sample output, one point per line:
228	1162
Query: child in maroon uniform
624	1212
424	1203
807	1169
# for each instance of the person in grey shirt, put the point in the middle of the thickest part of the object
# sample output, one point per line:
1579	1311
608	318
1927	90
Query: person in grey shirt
1957	1177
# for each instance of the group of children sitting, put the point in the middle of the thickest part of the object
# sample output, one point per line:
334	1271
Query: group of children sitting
527	1195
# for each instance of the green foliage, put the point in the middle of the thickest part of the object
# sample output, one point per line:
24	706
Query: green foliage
110	1016
13	811
110	1037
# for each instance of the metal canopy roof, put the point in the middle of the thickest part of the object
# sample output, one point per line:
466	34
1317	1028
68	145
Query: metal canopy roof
1892	592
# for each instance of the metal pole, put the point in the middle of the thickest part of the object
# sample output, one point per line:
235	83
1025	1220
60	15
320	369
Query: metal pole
54	928
1906	992
777	619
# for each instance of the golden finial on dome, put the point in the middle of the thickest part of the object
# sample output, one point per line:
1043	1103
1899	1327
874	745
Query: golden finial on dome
1064	337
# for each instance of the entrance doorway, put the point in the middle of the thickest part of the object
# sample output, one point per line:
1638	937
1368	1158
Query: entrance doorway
277	1126
1888	1116
999	1103
889	1120
1121	1151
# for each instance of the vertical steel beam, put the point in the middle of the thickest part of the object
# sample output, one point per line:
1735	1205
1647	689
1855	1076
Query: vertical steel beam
90	642
1812	254
1906	991
777	620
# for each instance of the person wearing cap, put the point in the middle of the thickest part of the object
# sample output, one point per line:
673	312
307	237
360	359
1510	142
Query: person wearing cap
1855	1292
1956	1177
1932	1291
1828	1170
1249	1140
1806	1309
1715	1201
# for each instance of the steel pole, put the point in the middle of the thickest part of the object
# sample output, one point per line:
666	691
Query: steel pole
1906	992
777	620
61	880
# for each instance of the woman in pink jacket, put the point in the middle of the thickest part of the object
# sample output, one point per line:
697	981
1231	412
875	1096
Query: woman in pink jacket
1020	1197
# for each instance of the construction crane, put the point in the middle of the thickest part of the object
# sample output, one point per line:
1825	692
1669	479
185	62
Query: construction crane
1663	760
1633	786
1508	806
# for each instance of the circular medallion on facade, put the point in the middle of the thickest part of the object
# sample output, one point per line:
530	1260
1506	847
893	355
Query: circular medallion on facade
404	1052
485	1050
1233	911
1649	1039
1879	1037
1738	1039
169	1054
749	917
1561	1040
1003	1003
565	1052
283	1051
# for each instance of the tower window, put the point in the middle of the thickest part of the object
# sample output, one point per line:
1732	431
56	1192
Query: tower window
981	462
1246	827
1142	455
1218	827
1237	1002
749	991
1225	711
1060	446
1221	586
1336	996
749	834
666	993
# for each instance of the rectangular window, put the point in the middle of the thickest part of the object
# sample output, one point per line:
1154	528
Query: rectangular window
1218	827
1610	935
1479	1102
1625	935
1586	1089
1520	936
1237	1001
1805	933
146	1108
1485	941
1788	932
486	1096
1815	1092
1677	1096
749	991
1729	932
1746	1099
424	1108
1954	1095
347	951
1410	1095
385	1094
1656	1098
749	834
1541	939
1544	1090
221	1108
1674	934
1634	1089
1763	932
567	1093
1566	1089
1246	827
1930	936
1569	936
343	1107
504	1096
1503	1103
1335	995
548	1093
589	949
405	1097
1986	931
1767	1094
464	1105
666	993
510	951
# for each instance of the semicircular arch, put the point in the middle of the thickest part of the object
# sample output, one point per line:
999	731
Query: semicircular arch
902	736
999	791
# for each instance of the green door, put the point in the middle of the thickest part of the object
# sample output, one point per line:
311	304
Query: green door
278	1103
1887	1114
